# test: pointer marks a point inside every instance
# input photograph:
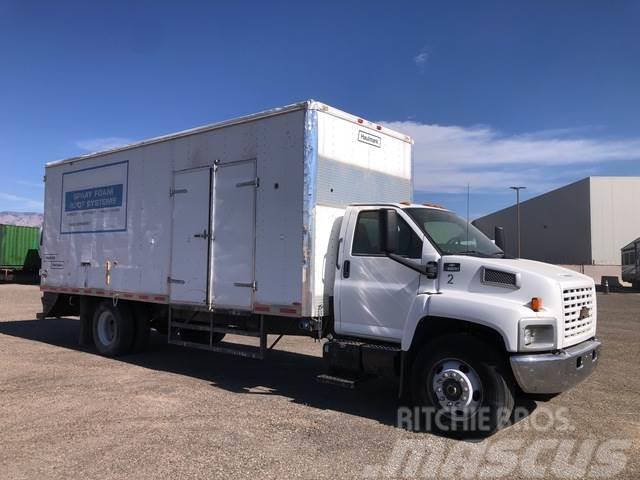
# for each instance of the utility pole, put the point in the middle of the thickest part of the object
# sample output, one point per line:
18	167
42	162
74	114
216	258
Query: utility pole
517	189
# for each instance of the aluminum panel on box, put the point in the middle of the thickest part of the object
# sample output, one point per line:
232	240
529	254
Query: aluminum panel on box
190	238
234	235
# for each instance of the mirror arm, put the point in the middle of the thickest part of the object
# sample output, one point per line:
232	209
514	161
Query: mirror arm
408	263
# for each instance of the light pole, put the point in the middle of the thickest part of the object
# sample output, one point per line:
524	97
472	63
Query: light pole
517	189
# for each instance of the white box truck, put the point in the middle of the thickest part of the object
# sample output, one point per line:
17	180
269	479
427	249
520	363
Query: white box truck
299	221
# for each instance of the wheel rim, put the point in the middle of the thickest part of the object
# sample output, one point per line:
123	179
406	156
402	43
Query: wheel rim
107	328
457	388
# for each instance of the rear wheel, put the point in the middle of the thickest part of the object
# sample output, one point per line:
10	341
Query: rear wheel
463	386
113	329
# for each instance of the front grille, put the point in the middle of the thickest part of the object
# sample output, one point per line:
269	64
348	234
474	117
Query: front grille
498	277
578	311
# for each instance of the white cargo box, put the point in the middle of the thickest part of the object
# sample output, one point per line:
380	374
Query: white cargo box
241	215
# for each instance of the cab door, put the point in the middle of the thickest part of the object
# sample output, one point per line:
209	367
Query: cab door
373	292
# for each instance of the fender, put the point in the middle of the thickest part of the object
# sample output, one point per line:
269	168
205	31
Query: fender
498	313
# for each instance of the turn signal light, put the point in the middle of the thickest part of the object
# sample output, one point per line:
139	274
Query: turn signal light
536	304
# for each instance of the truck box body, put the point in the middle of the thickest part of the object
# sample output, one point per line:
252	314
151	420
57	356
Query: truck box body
242	215
19	247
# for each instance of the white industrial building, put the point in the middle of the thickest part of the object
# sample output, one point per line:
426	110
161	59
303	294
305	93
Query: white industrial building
582	225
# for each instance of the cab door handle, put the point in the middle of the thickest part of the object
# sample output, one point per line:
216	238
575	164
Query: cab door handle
346	269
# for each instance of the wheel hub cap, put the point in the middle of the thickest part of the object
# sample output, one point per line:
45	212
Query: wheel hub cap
107	328
457	388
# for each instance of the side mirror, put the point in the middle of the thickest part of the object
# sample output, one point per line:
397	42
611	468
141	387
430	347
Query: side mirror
389	226
498	235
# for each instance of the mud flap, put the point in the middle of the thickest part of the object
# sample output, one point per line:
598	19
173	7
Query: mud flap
58	305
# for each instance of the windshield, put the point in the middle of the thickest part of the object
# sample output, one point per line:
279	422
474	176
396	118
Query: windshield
451	234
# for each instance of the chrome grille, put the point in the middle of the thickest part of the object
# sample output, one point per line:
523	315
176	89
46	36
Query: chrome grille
578	311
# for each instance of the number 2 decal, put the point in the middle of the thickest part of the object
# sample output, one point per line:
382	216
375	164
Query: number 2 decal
450	279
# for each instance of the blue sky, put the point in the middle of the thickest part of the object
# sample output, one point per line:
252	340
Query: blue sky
495	93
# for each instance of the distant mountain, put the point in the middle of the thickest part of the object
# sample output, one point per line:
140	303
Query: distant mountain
28	219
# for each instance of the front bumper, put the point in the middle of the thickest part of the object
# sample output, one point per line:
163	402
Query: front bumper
558	371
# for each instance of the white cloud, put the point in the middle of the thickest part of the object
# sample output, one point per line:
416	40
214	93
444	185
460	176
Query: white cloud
16	202
422	58
100	144
26	183
448	157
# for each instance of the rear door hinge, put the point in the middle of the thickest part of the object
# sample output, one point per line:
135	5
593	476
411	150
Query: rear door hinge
175	280
253	285
175	191
249	183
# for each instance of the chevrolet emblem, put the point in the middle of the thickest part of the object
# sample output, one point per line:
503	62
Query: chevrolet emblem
584	313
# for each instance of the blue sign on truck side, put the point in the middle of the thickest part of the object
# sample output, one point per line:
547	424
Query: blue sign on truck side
93	198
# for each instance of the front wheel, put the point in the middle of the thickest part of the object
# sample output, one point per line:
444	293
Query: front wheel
462	385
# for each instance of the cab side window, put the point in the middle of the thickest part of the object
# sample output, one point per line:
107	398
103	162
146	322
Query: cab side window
367	241
366	238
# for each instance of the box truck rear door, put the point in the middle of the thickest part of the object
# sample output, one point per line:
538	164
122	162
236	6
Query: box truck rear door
190	246
234	221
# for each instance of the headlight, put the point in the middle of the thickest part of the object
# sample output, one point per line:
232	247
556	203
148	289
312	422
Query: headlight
536	334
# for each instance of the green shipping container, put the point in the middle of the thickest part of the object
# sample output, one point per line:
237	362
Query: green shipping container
19	247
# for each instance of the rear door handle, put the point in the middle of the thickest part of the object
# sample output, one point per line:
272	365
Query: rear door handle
204	234
346	269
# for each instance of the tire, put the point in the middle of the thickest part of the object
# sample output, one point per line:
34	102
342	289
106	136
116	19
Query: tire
462	386
113	329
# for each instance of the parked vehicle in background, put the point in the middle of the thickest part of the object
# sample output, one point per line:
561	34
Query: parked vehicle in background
290	222
631	263
19	253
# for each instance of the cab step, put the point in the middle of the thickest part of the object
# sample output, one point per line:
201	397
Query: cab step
343	382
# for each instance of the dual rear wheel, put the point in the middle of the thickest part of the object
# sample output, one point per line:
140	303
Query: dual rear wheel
114	329
125	327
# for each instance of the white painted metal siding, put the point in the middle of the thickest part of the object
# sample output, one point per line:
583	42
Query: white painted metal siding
615	216
351	169
142	252
295	226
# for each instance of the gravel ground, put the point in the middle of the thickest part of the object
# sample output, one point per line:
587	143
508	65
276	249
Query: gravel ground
171	413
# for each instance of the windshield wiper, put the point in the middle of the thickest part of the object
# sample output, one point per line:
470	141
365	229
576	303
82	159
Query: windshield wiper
480	254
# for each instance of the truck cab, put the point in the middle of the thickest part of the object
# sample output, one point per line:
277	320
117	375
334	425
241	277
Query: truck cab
470	326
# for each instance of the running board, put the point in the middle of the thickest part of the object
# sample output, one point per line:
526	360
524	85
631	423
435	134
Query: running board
246	351
343	382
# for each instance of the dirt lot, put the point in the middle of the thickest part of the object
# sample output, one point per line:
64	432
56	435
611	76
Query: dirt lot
171	413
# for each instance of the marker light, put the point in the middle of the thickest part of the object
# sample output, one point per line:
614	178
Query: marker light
536	304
